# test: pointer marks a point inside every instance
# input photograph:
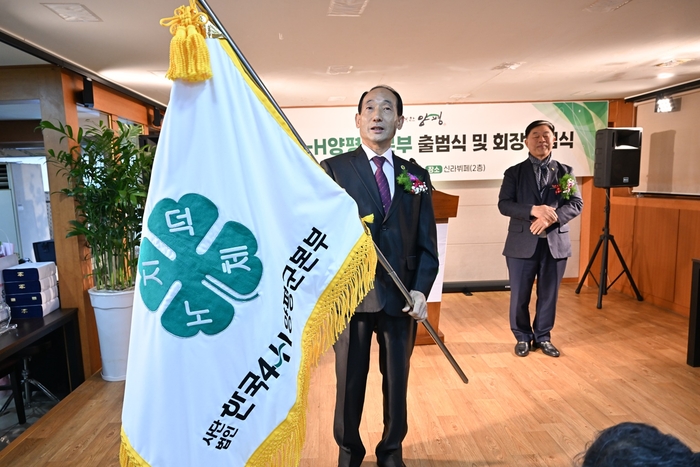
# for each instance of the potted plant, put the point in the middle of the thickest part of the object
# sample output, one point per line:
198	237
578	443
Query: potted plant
108	175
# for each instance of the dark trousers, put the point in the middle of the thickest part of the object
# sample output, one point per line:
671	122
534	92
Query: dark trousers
396	337
549	272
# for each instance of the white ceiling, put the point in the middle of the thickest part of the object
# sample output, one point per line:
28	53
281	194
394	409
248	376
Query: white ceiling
431	51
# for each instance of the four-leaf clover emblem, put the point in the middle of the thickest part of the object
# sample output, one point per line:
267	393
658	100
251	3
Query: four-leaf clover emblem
197	283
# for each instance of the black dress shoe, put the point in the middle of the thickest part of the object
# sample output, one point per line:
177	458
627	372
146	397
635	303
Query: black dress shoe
522	348
547	348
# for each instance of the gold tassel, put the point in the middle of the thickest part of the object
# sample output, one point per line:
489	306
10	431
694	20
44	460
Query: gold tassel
199	58
178	59
189	56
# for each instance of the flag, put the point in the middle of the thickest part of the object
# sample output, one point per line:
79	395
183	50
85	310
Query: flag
251	263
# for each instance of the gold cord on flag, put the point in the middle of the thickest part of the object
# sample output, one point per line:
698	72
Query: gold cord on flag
189	56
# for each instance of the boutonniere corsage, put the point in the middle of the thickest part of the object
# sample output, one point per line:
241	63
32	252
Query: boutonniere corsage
566	186
411	183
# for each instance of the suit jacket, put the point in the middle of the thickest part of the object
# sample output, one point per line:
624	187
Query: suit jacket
519	192
406	235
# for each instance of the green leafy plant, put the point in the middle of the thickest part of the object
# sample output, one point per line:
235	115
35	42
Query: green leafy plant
108	176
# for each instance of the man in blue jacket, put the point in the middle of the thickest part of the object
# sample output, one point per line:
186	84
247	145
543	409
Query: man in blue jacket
537	196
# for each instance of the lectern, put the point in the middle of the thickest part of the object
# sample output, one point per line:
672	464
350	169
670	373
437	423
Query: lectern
445	206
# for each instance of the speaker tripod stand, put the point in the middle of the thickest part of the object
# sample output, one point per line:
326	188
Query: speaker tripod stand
603	241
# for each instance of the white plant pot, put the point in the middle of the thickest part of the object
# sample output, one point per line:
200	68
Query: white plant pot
113	318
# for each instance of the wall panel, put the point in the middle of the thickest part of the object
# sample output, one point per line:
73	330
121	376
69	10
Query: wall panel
655	243
659	238
688	249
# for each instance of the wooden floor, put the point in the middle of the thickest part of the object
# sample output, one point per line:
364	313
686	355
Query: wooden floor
625	362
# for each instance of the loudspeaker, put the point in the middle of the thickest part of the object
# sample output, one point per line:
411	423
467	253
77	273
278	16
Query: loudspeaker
157	117
618	153
87	97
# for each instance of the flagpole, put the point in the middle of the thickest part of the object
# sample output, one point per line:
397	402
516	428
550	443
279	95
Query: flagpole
254	76
256	79
404	291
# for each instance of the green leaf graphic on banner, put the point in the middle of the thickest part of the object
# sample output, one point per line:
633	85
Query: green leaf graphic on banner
586	118
210	283
599	109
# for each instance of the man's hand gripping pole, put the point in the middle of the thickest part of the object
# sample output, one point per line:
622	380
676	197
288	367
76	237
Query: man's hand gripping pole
404	291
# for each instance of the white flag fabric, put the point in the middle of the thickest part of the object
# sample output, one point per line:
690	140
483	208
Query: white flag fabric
252	261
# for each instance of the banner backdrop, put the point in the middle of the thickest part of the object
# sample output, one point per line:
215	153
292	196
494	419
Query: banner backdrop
464	141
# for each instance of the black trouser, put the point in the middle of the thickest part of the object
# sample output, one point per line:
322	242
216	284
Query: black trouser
396	337
522	272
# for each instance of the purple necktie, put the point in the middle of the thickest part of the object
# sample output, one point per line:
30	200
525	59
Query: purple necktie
382	182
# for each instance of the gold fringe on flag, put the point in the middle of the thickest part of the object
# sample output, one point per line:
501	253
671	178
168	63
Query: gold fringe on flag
189	56
333	310
128	457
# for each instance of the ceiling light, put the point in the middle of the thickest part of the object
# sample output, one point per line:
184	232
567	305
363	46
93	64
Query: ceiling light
339	69
74	12
667	104
606	6
130	76
673	62
582	93
347	7
664	75
508	66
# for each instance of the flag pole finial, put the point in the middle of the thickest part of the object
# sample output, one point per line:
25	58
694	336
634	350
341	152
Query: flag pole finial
189	56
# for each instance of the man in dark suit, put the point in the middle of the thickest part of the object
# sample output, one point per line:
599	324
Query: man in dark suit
404	230
538	241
